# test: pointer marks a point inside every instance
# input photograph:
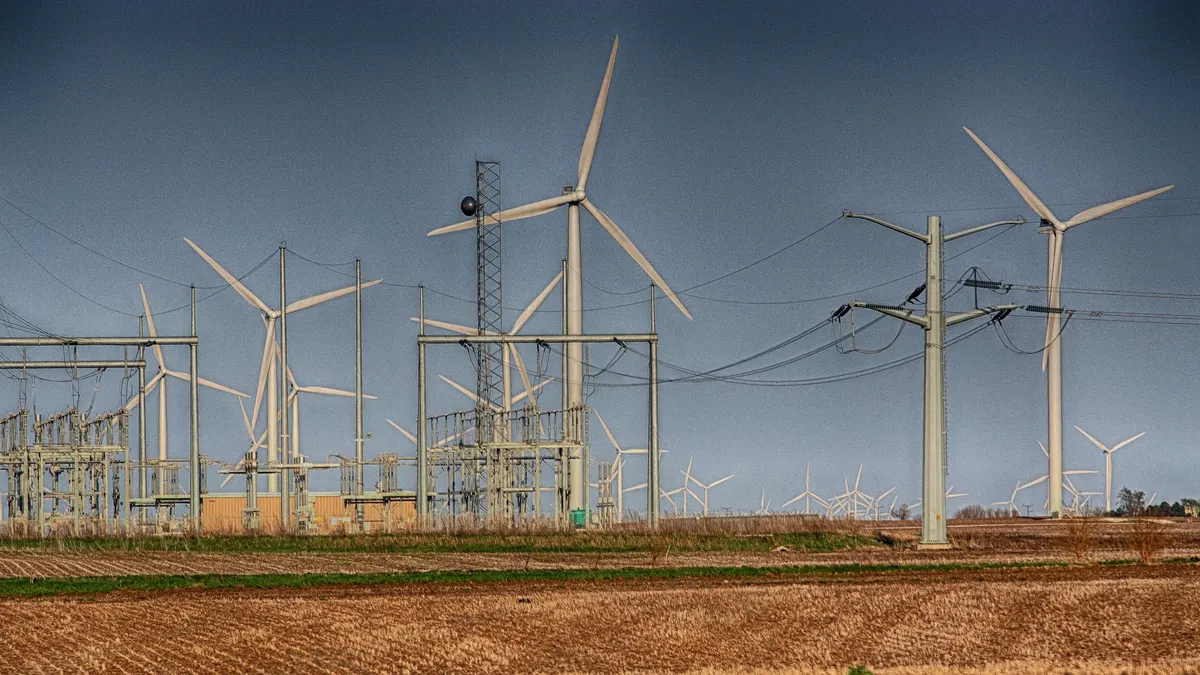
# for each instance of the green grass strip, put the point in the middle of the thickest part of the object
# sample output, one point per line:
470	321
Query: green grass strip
24	587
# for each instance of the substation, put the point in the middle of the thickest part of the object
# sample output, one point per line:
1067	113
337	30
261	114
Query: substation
507	462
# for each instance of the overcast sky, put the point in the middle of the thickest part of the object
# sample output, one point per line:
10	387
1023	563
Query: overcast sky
731	131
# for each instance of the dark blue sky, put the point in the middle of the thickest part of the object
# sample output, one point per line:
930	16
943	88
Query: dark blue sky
730	132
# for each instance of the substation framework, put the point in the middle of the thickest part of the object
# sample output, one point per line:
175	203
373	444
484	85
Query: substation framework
465	471
74	472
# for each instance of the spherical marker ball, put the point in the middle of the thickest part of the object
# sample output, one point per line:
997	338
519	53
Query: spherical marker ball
468	206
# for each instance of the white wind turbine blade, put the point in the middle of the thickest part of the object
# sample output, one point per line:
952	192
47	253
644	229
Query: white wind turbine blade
593	132
452	327
1126	442
1034	482
667	496
533	306
207	383
881	497
858	477
330	391
264	370
627	244
1043	447
718	482
516	213
238	286
133	402
793	500
467	392
521	370
453	437
611	439
313	300
639	486
246	420
1030	198
1105	209
153	331
1097	443
403	431
525	394
1080	472
229	477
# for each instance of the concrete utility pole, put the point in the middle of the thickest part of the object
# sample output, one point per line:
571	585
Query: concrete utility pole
358	397
934	323
285	453
422	423
196	503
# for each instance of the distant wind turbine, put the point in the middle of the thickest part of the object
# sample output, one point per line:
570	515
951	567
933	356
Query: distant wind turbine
1108	453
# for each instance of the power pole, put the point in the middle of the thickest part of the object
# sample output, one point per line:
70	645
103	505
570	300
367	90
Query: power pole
934	322
285	455
358	398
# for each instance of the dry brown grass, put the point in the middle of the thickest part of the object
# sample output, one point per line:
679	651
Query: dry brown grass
1092	619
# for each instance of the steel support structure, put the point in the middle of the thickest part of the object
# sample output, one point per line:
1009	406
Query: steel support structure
934	322
570	419
490	359
145	498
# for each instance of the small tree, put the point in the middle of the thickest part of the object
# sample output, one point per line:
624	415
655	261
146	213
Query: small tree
1130	503
901	512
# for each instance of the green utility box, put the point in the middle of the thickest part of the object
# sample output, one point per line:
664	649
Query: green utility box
578	519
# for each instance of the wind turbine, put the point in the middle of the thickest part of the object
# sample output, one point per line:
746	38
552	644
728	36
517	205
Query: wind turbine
807	496
1012	501
708	487
267	374
1108	453
159	380
618	464
1079	499
1052	352
573	197
687	478
764	505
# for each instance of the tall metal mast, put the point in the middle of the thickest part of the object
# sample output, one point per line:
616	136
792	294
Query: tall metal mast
490	358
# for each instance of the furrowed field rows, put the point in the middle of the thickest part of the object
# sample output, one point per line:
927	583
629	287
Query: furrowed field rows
1091	619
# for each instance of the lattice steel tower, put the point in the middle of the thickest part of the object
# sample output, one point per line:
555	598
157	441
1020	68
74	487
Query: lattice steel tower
489	295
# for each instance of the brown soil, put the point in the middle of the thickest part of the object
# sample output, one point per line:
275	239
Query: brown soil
1082	619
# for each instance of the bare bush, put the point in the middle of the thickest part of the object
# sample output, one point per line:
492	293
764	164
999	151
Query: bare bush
1081	537
1147	538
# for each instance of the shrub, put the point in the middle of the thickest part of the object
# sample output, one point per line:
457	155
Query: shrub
1147	538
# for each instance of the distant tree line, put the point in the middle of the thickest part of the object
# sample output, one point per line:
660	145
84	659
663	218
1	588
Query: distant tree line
1133	503
1130	503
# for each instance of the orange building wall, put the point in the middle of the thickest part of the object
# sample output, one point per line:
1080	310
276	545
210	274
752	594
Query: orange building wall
223	513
